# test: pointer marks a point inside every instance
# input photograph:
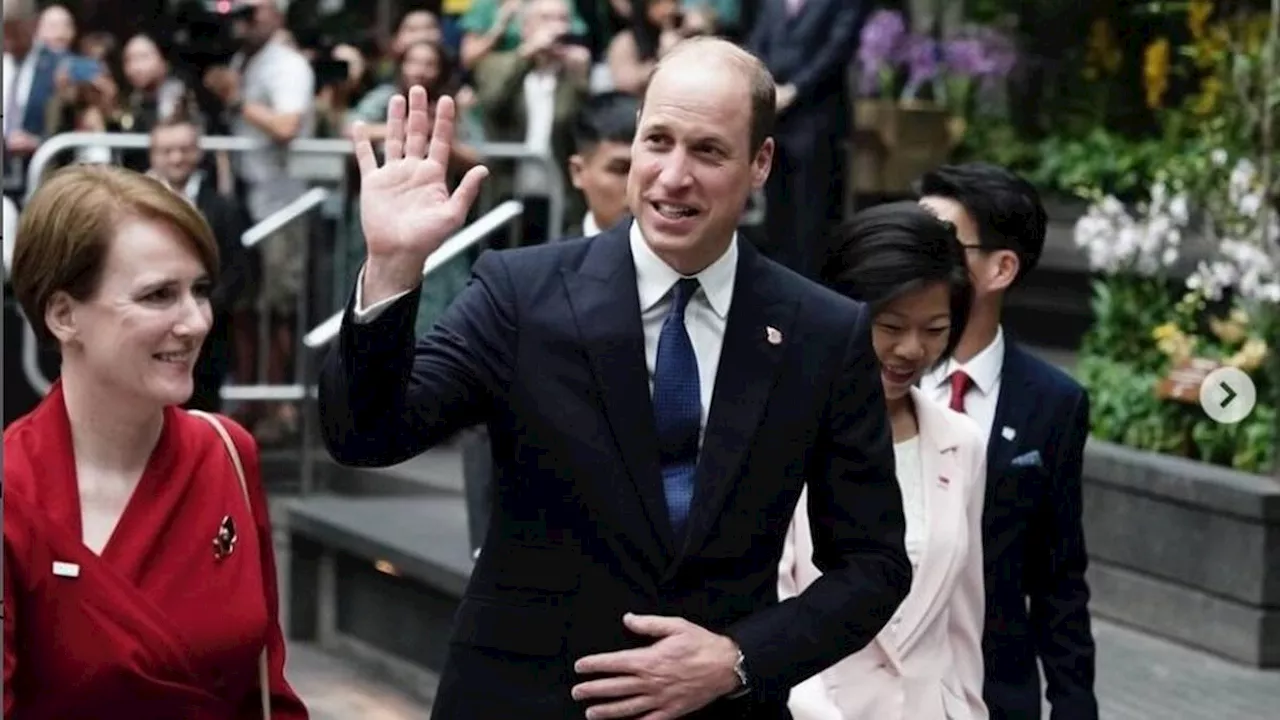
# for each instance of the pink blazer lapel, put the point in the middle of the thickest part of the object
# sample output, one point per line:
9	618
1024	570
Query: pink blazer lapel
945	513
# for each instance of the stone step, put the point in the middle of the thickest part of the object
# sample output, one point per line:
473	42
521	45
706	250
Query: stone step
379	578
336	684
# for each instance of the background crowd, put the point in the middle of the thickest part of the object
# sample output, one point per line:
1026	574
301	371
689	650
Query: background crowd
520	71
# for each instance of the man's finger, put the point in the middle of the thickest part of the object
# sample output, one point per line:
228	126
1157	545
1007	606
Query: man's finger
629	708
654	625
621	686
365	158
442	132
394	146
468	190
415	144
621	662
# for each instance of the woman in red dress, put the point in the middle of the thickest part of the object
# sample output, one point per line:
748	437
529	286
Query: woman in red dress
139	576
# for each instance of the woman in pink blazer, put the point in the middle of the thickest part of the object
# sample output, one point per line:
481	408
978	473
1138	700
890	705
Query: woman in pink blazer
926	664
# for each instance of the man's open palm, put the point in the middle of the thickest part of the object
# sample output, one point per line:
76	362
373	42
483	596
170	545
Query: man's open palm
406	208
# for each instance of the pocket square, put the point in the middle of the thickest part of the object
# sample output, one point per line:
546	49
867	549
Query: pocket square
1028	459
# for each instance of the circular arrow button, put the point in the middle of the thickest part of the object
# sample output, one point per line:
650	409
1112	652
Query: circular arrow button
1228	395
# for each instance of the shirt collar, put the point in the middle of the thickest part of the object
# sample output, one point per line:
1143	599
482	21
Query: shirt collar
590	227
984	368
655	278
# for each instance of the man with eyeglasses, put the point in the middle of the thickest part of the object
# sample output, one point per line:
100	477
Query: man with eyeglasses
1036	419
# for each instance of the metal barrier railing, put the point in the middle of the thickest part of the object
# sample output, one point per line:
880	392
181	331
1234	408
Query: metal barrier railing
309	146
460	242
299	390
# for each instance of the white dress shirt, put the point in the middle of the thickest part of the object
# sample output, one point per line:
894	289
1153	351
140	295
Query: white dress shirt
984	369
704	316
906	456
540	118
18	78
590	228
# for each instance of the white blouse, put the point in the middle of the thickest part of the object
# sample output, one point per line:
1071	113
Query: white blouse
911	481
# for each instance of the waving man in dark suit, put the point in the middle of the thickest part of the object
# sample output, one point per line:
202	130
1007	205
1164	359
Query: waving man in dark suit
656	397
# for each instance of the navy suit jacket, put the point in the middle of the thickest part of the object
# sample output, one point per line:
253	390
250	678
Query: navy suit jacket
811	50
545	346
1034	546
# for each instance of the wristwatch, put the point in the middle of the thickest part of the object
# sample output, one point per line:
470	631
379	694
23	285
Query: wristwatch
739	669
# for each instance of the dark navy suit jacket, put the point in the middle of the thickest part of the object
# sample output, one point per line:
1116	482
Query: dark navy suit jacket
1037	598
545	346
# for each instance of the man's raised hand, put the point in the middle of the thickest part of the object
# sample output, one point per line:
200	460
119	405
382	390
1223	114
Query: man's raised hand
406	209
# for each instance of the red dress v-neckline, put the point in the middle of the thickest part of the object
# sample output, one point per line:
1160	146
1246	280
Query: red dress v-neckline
69	514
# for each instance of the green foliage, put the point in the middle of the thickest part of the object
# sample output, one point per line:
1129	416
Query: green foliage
1127	309
1124	409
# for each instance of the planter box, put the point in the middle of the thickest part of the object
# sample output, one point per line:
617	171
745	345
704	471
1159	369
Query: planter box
895	143
1185	550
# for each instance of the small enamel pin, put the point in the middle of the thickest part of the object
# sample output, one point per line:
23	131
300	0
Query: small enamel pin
773	335
1008	433
224	543
65	569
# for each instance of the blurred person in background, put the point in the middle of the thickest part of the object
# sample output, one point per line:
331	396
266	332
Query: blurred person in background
268	94
601	160
417	25
56	29
29	79
807	45
152	93
139	573
176	162
532	95
634	52
495	26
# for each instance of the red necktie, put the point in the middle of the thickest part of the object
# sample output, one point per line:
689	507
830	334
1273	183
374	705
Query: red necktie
960	384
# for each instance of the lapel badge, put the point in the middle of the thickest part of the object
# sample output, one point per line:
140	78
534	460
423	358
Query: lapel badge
224	543
65	569
1008	433
773	335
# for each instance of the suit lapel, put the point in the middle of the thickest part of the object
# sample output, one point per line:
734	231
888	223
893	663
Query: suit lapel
755	339
1013	410
942	511
606	307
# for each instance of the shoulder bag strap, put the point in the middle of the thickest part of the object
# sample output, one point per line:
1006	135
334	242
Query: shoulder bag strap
263	679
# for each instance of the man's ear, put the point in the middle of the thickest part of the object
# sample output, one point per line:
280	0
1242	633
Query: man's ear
576	166
60	317
762	163
1007	266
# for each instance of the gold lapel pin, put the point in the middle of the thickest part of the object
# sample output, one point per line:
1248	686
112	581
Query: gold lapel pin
224	543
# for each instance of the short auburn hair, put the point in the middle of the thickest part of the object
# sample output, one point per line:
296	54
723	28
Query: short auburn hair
67	228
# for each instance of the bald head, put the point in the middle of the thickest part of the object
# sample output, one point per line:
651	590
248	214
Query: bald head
725	61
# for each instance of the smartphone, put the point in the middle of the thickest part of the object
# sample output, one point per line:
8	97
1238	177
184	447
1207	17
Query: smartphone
571	39
330	72
83	69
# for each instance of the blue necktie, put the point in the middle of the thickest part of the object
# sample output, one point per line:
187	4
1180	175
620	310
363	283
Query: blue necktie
677	407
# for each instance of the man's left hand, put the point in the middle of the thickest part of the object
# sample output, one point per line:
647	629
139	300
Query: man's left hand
686	669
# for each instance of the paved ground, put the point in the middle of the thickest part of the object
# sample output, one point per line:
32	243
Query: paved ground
334	689
1139	678
1145	678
